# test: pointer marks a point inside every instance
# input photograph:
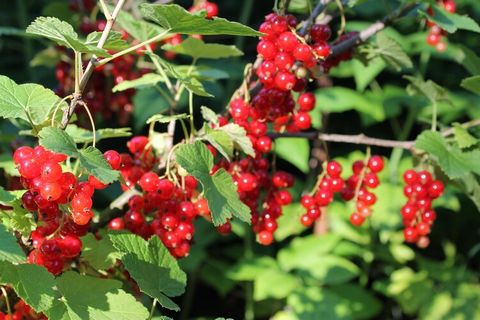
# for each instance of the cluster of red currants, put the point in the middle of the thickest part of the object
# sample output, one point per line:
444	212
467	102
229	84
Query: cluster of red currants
61	203
258	189
435	33
164	208
329	183
357	187
418	215
21	311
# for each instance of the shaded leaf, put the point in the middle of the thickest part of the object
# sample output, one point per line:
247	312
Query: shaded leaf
149	79
198	49
10	250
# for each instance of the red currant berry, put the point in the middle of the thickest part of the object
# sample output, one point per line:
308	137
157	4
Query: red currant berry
375	164
148	181
356	219
265	237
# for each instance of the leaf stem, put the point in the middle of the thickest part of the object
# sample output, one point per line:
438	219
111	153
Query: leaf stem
94	131
7	302
160	70
128	50
434	116
152	309
190	110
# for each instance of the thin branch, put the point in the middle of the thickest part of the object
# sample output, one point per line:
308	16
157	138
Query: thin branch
91	67
322	5
341	138
371	30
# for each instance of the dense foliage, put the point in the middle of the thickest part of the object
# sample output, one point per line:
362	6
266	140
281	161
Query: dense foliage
315	160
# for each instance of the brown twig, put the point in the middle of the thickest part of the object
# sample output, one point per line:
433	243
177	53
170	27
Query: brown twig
91	67
365	34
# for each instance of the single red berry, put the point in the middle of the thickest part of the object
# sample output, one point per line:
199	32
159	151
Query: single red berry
306	101
302	120
225	228
433	39
334	169
113	158
51	191
96	184
307	201
410	176
356	219
285	80
320	32
371	180
148	181
116	224
322	49
306	220
267	49
263	144
435	189
303	52
22	154
375	164
287	42
265	237
410	234
70	246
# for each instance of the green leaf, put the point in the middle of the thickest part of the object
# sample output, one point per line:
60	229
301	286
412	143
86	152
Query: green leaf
275	284
139	29
302	251
429	89
156	272
100	254
48	57
219	189
85	297
5	196
10	250
209	115
472	84
149	79
198	49
32	283
29	102
312	303
178	20
463	137
468	59
299	158
299	6
391	52
220	140
18	219
239	138
57	140
81	135
471	186
451	22
92	160
63	34
362	303
202	73
340	99
114	40
288	222
7	164
452	160
251	268
166	119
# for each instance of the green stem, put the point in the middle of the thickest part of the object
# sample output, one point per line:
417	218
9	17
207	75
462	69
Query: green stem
135	47
152	309
434	116
7	302
164	94
78	63
190	110
160	70
248	254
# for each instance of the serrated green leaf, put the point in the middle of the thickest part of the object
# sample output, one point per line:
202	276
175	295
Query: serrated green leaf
220	140
137	28
5	196
219	189
201	72
429	89
156	272
92	160
167	118
149	79
209	115
239	138
463	137
29	102
85	297
100	254
18	219
452	160
114	40
179	20
198	49
57	140
299	158
63	34
32	283
472	84
9	248
391	52
48	57
451	22
81	135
